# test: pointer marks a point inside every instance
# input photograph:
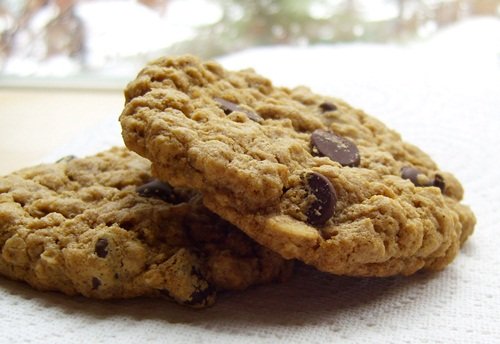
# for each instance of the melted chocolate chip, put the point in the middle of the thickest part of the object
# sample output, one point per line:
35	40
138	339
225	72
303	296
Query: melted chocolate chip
337	148
321	209
101	247
158	189
229	107
327	106
439	182
96	283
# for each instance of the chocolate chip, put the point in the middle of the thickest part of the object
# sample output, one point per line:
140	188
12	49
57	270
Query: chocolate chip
201	297
96	283
439	182
66	158
229	107
101	247
321	209
226	105
337	148
327	106
412	174
159	190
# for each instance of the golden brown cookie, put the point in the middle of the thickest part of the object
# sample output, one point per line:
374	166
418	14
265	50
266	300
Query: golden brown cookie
306	175
101	227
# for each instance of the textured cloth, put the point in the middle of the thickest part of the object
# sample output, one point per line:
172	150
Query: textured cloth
441	95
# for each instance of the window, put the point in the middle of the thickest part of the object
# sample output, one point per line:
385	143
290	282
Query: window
99	40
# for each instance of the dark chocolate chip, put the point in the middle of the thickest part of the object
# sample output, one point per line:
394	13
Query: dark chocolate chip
412	173
226	105
159	190
201	297
327	106
66	158
439	182
96	283
229	107
337	148
323	207
101	247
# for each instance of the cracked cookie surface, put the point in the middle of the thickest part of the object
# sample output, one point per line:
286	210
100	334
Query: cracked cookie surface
306	175
99	226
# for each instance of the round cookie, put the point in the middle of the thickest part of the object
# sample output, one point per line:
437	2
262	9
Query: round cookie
101	227
303	174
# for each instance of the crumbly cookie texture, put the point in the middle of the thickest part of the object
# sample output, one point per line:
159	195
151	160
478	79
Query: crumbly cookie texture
100	227
303	174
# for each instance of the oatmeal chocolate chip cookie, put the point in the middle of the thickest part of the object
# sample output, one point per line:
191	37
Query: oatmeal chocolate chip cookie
101	227
303	174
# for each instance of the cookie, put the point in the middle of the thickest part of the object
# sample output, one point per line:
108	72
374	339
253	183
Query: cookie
305	175
102	227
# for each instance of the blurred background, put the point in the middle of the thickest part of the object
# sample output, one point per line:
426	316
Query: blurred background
64	63
94	41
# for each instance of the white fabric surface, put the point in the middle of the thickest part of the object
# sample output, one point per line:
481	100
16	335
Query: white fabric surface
442	95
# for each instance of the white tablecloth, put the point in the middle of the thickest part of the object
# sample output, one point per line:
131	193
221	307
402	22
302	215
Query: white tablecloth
444	96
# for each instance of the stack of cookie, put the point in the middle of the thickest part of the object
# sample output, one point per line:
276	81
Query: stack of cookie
228	180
